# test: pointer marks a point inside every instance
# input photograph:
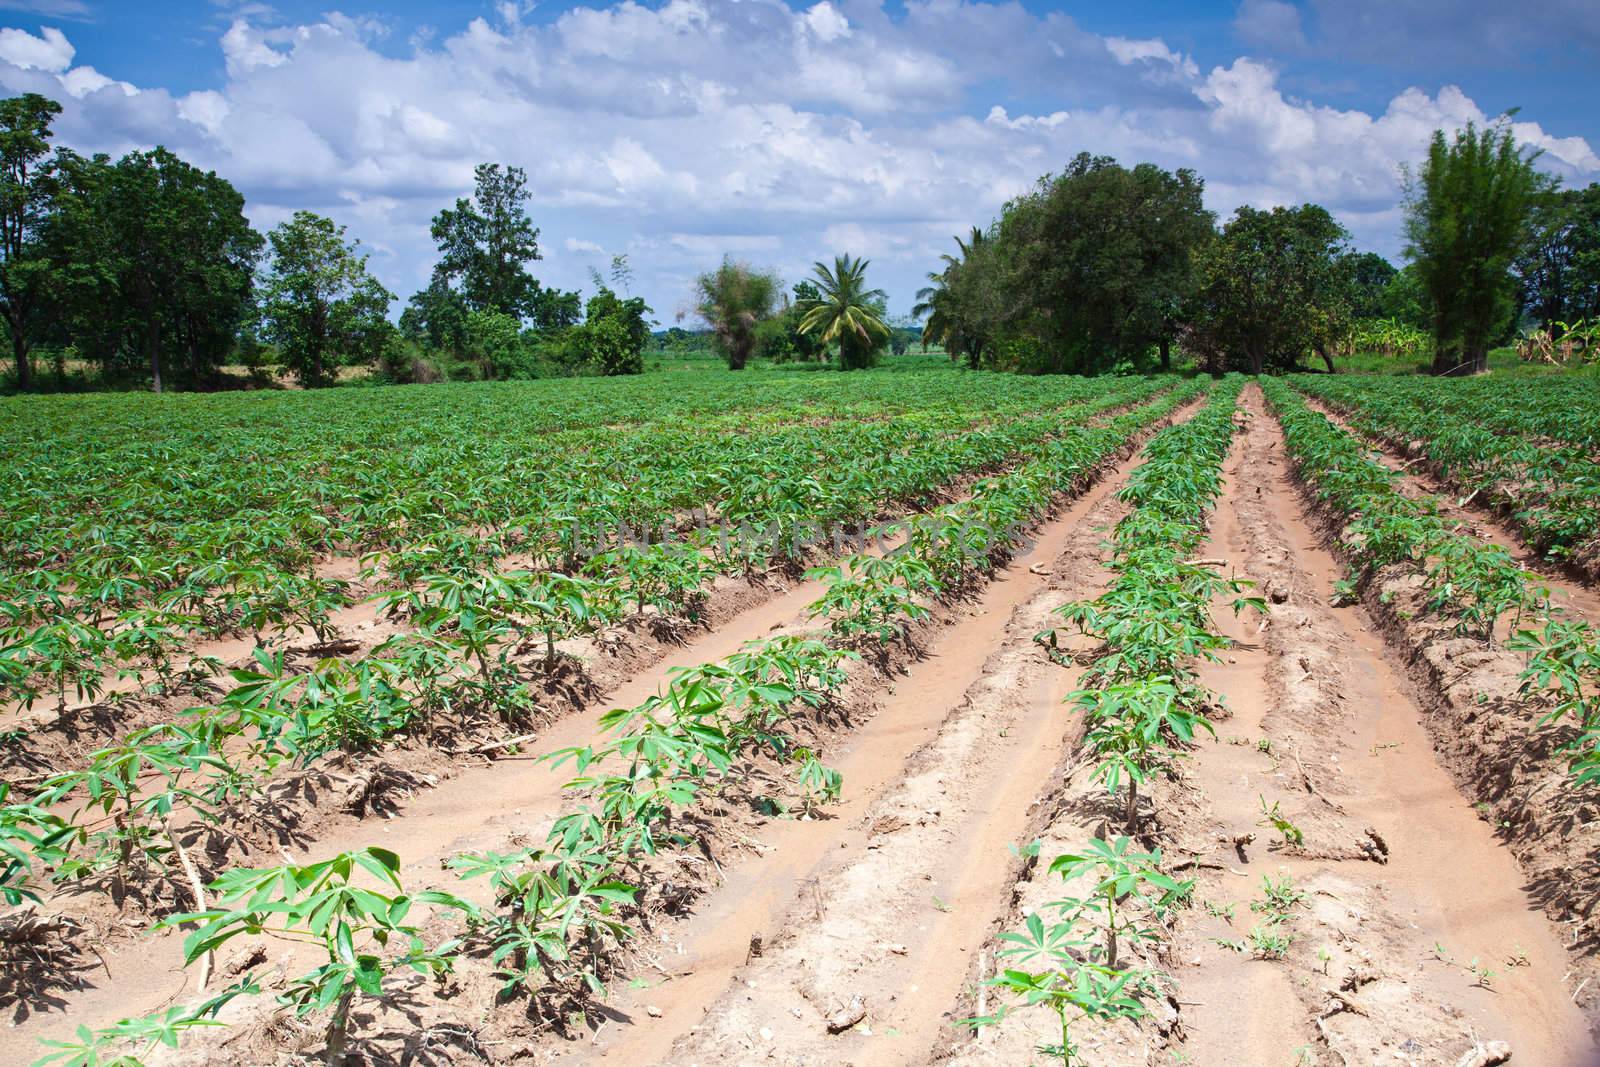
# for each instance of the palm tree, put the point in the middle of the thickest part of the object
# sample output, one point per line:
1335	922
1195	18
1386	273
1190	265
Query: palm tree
945	325
734	299
846	311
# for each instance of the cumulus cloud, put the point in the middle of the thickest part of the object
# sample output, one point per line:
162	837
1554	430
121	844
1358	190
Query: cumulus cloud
49	51
684	131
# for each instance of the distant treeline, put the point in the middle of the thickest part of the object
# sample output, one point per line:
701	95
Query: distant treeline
1104	267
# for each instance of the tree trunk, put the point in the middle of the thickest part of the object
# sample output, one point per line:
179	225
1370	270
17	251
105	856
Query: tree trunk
1322	350
1166	354
19	347
152	349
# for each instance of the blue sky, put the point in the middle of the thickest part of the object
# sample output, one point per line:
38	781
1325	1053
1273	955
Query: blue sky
678	131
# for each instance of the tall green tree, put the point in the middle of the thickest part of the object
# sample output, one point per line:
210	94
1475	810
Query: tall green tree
1270	290
165	262
555	310
957	306
1469	210
319	304
1097	261
1559	272
614	331
846	312
486	242
735	299
26	189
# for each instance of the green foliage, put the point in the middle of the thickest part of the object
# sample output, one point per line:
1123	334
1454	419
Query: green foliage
1270	291
961	304
495	339
1469	210
612	338
845	312
486	242
1070	962
107	1047
318	303
1096	262
736	299
1370	276
867	597
26	187
320	904
154	264
1559	271
1564	668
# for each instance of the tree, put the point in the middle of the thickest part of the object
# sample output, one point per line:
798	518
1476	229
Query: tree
963	302
1095	263
1559	272
495	340
555	310
486	243
1369	276
436	318
1404	299
735	299
614	332
319	304
25	193
1468	217
158	262
846	312
1270	290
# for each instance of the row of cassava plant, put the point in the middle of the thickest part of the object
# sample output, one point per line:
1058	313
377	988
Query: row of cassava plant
563	908
463	654
1142	706
1488	442
141	588
1471	582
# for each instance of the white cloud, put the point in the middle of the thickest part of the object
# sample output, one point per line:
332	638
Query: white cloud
703	127
1129	52
50	51
206	108
827	23
246	50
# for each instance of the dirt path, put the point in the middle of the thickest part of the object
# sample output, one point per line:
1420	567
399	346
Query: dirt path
892	907
1377	962
1387	959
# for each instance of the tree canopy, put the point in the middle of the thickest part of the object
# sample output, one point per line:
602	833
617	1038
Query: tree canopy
1468	217
845	312
1269	289
1096	261
1559	272
319	304
486	243
26	188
